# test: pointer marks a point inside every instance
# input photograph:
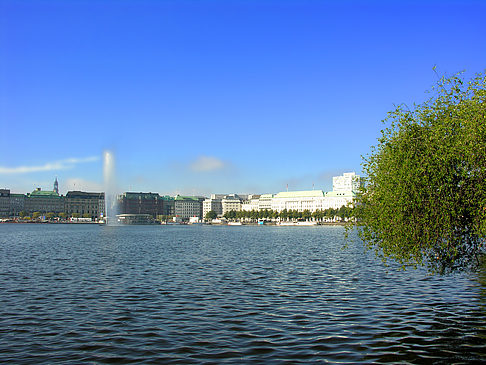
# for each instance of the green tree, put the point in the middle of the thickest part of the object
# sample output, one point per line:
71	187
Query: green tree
424	201
36	215
86	215
50	215
211	215
318	215
22	214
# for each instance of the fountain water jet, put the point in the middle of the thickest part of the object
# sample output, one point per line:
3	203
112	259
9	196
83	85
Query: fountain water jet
111	189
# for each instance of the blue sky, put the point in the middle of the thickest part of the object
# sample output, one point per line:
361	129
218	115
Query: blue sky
195	97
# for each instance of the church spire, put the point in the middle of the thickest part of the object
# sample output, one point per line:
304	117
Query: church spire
56	186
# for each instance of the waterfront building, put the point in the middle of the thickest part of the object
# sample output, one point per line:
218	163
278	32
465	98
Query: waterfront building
44	202
298	200
265	201
347	182
188	206
344	191
17	204
336	199
252	203
141	203
85	204
4	203
230	202
168	205
212	204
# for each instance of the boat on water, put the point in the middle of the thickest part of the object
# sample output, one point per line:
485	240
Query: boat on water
235	224
136	219
303	223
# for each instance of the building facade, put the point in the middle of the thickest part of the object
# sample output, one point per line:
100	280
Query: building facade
298	200
347	182
44	202
85	204
169	205
186	207
212	204
4	203
230	202
17	204
265	201
141	203
344	192
252	203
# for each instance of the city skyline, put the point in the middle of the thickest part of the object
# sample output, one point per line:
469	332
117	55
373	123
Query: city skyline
55	188
213	96
96	205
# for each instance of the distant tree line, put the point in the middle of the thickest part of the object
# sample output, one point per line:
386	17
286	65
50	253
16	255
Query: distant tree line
288	215
51	215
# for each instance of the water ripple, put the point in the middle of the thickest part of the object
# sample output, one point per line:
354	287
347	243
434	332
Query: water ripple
89	294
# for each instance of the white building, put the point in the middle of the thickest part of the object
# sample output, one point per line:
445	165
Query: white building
213	204
348	181
251	204
231	202
222	203
344	191
265	201
298	200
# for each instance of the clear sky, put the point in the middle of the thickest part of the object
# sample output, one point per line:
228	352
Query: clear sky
195	97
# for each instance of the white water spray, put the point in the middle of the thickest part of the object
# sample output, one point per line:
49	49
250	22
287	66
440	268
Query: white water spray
111	189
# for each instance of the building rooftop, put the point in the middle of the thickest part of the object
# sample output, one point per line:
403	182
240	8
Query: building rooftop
180	197
84	195
345	194
301	194
43	194
266	196
143	196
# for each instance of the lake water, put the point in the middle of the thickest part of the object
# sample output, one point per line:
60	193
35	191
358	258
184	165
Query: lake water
207	294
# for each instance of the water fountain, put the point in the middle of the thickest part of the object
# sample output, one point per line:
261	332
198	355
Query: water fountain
111	189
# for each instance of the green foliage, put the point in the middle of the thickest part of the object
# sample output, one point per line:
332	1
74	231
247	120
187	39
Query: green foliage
36	215
164	218
86	215
424	201
286	215
211	215
230	214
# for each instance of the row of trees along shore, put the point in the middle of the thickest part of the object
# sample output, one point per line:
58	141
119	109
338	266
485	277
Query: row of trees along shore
35	215
342	213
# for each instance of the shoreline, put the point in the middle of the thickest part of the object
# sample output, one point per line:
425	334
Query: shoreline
187	224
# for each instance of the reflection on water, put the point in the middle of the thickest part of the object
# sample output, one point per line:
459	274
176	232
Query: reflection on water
163	294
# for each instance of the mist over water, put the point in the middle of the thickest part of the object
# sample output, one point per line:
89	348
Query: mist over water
111	187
